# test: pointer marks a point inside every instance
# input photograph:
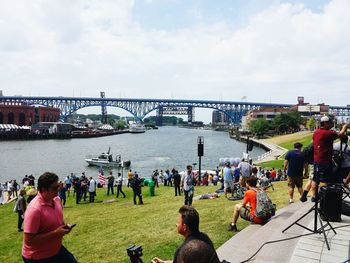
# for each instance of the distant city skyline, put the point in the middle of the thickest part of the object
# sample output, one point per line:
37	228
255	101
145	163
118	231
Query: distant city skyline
253	50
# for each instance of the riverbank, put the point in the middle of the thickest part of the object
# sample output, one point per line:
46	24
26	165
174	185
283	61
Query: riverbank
114	224
276	147
8	136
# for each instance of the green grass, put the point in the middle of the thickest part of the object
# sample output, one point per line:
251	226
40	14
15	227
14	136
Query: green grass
289	145
105	230
304	141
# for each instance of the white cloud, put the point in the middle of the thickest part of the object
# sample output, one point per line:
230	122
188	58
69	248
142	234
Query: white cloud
286	50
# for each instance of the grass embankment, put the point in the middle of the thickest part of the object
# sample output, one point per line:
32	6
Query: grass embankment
105	230
287	142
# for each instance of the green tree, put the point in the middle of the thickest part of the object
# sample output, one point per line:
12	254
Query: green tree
259	126
287	122
120	125
311	124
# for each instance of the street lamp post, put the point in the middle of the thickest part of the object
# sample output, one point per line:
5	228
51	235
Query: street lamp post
200	143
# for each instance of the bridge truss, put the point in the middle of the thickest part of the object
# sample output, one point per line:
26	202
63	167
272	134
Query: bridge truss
139	108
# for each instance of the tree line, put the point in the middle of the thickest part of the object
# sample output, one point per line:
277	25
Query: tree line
282	123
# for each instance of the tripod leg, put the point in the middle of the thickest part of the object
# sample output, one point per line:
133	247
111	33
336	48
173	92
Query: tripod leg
323	231
296	222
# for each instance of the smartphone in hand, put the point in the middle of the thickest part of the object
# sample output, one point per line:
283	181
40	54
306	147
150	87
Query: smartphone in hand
68	226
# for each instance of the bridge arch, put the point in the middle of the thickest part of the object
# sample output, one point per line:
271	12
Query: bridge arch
64	117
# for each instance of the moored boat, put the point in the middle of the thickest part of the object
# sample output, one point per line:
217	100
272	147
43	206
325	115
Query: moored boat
137	128
106	159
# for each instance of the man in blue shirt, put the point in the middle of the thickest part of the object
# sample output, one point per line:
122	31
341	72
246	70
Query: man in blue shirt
228	179
295	162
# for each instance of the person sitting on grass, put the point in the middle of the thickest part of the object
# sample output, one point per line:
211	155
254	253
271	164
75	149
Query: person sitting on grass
242	209
188	226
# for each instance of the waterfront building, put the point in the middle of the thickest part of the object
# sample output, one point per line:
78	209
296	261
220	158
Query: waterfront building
219	118
267	113
26	115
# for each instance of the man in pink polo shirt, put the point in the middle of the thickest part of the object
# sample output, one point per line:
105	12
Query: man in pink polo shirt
44	227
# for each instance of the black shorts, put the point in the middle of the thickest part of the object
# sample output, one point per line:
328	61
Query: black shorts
324	172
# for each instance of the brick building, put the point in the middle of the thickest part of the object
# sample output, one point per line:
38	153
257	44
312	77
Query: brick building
219	118
27	115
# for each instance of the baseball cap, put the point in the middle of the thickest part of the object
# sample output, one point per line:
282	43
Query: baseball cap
325	119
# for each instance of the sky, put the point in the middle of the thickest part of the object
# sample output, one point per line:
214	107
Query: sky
252	50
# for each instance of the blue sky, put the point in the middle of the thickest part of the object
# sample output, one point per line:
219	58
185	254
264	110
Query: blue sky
264	50
178	14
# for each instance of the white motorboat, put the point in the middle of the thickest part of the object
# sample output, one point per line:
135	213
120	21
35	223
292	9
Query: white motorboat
106	159
137	128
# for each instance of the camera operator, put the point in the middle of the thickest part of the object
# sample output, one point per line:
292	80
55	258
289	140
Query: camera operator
323	139
188	226
136	184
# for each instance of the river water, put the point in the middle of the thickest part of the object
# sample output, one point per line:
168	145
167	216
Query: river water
164	148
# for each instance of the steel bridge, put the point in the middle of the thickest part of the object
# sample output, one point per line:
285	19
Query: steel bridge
139	108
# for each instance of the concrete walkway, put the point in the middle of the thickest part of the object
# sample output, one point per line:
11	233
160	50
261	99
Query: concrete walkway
311	248
273	154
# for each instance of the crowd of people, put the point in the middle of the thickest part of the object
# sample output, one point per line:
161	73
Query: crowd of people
42	210
12	188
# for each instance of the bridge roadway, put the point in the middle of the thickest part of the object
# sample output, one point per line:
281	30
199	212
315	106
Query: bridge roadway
139	108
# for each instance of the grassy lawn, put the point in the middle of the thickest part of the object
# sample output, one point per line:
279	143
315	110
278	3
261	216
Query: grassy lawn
288	139
104	230
287	142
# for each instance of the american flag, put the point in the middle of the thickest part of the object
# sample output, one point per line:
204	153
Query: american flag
101	177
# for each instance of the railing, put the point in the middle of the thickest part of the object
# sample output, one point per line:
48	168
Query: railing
263	156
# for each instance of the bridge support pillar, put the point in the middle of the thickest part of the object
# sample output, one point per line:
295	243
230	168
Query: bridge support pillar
159	118
103	109
190	114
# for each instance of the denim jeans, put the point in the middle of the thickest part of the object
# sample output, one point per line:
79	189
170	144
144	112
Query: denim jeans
188	197
63	256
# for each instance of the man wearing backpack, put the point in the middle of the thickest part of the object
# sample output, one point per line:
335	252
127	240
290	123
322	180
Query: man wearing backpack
259	211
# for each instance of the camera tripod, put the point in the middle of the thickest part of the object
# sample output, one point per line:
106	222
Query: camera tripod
135	259
317	217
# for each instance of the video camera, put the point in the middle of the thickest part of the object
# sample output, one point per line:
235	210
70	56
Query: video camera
135	253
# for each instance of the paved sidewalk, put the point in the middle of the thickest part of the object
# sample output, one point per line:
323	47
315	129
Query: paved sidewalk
311	248
273	154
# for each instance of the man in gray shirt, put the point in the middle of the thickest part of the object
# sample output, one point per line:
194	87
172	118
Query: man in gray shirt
187	186
245	170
